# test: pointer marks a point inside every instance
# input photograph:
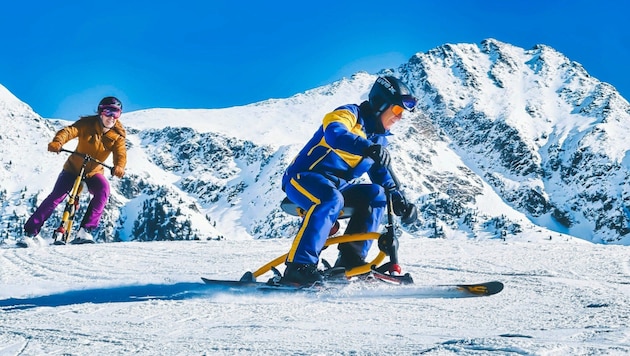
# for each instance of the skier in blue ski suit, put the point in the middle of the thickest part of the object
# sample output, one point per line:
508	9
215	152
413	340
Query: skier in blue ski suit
350	142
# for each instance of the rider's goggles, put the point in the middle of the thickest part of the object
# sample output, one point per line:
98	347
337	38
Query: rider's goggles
397	110
409	102
111	111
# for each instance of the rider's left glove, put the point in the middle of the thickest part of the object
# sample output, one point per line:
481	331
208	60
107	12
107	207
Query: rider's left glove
54	147
118	171
407	211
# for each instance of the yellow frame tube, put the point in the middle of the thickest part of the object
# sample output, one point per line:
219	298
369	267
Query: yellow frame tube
332	241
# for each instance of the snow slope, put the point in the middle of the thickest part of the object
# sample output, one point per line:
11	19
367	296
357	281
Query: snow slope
147	299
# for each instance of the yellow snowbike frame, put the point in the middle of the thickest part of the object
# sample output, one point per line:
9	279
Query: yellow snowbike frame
387	241
366	268
61	234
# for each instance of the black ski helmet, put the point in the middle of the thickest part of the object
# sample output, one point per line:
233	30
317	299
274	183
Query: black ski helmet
110	101
388	91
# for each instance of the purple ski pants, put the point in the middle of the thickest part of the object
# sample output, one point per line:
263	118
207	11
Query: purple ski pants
97	186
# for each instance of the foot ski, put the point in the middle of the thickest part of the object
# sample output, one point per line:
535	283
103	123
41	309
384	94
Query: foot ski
79	241
30	242
21	244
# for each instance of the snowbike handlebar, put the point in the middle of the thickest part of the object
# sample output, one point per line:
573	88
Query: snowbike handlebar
87	158
394	178
388	241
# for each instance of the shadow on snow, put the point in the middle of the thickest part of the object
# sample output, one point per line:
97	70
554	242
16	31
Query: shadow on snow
136	293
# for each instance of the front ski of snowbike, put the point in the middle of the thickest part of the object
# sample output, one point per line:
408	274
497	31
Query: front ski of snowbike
62	233
380	269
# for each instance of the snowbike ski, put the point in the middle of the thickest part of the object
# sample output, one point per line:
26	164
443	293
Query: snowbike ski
374	284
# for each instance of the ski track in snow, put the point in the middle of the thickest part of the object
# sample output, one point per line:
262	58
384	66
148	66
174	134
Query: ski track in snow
560	298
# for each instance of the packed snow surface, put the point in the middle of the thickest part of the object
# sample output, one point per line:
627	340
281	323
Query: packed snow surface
562	296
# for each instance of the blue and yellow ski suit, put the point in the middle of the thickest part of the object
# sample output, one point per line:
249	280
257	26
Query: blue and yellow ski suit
319	180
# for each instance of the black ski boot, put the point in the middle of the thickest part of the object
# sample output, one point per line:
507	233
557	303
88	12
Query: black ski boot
348	260
302	274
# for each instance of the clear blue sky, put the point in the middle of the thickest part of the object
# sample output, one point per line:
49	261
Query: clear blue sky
62	57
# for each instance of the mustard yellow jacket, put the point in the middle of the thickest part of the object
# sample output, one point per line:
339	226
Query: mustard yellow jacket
95	143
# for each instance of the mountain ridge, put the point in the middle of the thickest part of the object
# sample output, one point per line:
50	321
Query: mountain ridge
505	139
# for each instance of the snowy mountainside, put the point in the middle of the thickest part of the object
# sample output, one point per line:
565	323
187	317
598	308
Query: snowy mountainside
22	143
506	140
549	138
180	182
270	122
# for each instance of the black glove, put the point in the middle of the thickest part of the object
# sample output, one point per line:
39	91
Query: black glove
407	211
379	154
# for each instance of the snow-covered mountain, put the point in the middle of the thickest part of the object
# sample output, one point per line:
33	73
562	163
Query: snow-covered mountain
549	138
506	140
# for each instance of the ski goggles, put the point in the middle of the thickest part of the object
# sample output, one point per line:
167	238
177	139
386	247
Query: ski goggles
408	103
397	110
111	111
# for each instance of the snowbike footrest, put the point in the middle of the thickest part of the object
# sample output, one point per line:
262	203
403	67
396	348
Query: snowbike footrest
392	278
